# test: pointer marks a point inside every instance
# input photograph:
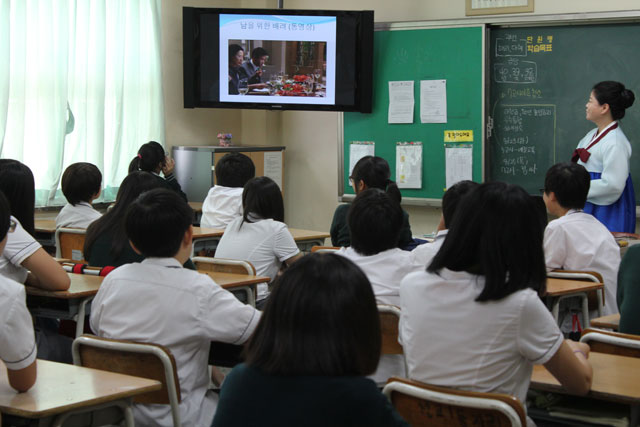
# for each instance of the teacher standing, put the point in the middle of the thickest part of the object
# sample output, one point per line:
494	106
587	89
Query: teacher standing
605	153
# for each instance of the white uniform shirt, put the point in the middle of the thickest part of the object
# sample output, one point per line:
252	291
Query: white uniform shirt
265	243
424	253
78	216
451	340
17	342
221	206
578	241
610	156
20	246
385	271
160	302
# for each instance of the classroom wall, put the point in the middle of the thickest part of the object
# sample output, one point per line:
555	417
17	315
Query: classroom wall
311	138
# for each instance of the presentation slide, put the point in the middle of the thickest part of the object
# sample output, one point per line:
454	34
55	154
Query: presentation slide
296	62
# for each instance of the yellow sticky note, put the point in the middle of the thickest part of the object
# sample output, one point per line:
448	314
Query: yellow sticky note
458	136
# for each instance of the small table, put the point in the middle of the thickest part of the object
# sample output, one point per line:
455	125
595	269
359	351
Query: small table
197	212
306	239
45	231
612	321
234	282
69	304
205	239
559	289
61	389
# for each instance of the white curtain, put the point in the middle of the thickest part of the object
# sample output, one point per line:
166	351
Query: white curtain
80	80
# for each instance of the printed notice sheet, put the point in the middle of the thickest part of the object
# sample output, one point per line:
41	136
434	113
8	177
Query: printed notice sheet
433	101
458	160
273	166
359	149
409	164
401	102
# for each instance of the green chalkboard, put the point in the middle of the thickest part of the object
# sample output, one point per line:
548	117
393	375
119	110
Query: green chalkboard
455	54
540	80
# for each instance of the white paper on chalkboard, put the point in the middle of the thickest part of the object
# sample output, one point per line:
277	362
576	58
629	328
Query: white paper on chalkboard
409	164
433	101
401	102
273	166
359	149
458	163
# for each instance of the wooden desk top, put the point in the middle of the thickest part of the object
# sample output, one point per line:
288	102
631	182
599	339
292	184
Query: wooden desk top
61	388
615	378
233	280
201	232
196	206
558	287
611	321
45	225
82	285
299	234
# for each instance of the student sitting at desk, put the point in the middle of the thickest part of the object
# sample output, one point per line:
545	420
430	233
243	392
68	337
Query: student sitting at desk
106	242
158	301
152	158
474	320
17	341
81	184
425	253
319	336
224	200
577	240
260	236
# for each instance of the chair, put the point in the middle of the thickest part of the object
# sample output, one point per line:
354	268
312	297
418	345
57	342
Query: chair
389	318
422	404
589	300
612	342
324	248
234	266
145	360
70	243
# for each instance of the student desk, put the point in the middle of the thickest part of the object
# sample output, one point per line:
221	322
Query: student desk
237	282
62	388
69	304
206	239
558	289
45	230
611	321
615	379
197	212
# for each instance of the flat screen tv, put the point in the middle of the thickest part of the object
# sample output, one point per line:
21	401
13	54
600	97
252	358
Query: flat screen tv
278	59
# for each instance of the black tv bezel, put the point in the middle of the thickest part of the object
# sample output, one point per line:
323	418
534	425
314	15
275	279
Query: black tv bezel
364	61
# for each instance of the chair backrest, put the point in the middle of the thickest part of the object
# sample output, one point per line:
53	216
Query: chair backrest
223	265
70	243
389	318
585	276
422	404
612	342
144	360
324	248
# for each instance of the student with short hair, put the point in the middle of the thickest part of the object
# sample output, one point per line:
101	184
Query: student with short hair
158	301
305	363
17	341
369	172
577	240
474	319
425	253
152	158
224	200
81	184
260	235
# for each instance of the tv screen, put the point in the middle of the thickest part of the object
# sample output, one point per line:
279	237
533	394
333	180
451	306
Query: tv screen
278	59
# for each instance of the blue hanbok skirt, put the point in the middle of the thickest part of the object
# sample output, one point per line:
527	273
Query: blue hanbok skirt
619	216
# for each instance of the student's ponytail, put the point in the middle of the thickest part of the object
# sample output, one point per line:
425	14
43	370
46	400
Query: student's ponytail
149	156
393	191
375	173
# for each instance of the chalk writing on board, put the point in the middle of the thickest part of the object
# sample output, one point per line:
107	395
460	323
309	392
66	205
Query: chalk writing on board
515	71
519	129
511	47
537	44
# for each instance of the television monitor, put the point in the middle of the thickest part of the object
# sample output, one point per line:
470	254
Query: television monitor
278	59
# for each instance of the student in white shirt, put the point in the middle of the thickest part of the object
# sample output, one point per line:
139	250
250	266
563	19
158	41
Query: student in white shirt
223	203
159	301
260	236
425	253
81	184
17	341
577	240
474	320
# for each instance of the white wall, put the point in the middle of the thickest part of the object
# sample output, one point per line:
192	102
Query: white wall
311	138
